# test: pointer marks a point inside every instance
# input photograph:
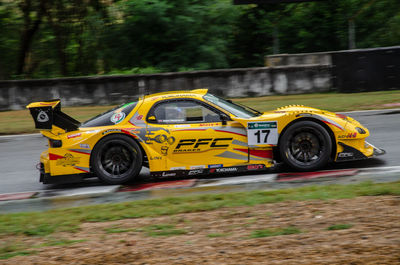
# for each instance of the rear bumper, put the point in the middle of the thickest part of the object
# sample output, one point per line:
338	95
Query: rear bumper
47	178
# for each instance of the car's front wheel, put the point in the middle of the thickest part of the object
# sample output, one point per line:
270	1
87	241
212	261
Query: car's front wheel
305	146
116	159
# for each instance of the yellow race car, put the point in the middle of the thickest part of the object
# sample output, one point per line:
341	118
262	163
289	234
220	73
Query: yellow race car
187	133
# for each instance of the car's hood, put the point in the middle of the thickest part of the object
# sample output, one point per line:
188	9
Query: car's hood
339	121
299	109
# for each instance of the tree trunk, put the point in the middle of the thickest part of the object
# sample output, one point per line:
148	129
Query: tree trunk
59	33
30	29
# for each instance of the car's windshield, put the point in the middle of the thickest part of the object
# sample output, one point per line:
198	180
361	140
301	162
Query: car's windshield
111	117
240	111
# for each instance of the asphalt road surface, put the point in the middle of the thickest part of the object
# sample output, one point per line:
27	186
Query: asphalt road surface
20	154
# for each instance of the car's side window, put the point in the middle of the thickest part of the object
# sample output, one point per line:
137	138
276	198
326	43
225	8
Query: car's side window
183	111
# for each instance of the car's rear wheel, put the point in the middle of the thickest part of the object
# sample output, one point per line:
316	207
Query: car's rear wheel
305	146
116	159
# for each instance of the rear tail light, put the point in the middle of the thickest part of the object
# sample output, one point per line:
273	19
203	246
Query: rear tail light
55	143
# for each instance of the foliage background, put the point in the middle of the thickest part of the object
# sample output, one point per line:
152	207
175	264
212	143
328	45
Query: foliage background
54	38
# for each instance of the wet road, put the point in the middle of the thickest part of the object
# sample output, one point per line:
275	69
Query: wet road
20	154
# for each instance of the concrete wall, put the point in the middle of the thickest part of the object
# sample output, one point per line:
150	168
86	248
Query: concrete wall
304	59
102	90
357	70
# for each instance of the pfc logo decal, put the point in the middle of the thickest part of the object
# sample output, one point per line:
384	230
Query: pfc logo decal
68	160
193	145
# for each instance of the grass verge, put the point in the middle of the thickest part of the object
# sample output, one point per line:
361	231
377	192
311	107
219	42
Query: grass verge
339	227
40	224
20	121
9	250
163	230
275	232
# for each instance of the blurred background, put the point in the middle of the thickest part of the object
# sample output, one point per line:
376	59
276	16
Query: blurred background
60	38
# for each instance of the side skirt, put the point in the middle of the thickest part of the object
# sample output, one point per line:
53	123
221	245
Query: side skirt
207	171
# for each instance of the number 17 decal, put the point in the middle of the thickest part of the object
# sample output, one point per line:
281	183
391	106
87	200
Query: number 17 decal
262	133
259	135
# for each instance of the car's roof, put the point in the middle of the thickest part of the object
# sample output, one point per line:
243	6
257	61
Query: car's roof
178	93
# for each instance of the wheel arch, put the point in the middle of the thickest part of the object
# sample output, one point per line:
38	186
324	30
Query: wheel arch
124	134
324	125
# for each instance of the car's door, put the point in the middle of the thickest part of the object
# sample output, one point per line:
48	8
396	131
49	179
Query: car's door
191	134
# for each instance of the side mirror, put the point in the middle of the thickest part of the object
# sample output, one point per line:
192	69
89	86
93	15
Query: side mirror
224	118
152	119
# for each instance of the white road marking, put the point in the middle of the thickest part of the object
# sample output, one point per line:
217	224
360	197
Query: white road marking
371	110
19	135
237	180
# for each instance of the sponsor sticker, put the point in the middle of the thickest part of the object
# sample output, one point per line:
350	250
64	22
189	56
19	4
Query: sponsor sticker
84	146
111	130
161	138
92	131
226	169
164	150
198	167
255	167
349	135
195	172
168	174
155	158
117	117
42	117
74	135
209	124
68	160
182	126
215	166
177	168
343	155
46	104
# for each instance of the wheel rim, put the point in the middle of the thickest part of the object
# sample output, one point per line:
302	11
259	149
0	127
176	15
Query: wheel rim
117	159
306	146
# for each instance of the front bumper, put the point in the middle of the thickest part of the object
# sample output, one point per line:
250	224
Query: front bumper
350	153
377	151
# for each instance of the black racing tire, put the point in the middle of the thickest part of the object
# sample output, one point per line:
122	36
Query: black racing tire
305	146
116	159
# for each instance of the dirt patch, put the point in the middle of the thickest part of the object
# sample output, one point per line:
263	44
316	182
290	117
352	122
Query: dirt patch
368	232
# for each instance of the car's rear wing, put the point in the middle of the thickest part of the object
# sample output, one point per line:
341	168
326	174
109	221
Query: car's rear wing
48	113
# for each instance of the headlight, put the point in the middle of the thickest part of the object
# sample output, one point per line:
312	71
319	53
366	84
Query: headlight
360	130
